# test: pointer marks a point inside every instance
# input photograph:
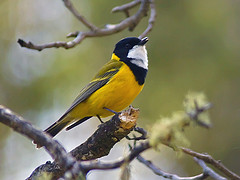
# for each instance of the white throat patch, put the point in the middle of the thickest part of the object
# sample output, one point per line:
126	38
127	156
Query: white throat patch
138	55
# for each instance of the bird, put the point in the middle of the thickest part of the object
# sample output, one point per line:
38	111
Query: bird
112	89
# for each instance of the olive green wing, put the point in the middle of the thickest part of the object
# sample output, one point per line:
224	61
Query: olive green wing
101	78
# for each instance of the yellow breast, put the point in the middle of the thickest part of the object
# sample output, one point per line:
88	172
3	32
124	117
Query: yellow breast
116	95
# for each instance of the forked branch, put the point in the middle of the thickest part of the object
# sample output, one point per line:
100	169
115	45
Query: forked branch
209	159
130	22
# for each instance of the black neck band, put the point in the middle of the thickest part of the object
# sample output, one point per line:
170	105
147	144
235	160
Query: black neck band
139	72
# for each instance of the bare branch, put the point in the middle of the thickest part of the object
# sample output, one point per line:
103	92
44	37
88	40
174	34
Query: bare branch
160	172
82	19
79	37
130	22
91	165
151	20
209	159
126	7
208	170
143	133
55	149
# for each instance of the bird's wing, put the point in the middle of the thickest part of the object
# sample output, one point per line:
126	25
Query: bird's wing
102	77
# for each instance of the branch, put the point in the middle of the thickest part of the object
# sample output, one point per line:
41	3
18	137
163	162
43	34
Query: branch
82	19
57	152
130	22
79	37
107	135
93	165
209	171
160	172
151	20
143	133
126	7
98	145
87	166
206	171
209	159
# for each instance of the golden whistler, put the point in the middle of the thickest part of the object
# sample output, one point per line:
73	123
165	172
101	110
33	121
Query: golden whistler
114	87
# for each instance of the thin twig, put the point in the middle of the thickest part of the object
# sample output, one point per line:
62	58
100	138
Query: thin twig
143	133
151	20
126	7
209	159
79	37
91	165
82	19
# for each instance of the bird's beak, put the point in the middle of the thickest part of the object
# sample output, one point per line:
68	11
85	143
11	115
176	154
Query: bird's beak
143	41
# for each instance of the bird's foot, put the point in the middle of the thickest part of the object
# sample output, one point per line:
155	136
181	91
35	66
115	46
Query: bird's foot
100	119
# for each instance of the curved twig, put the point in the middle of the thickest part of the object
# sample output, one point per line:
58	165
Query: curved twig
151	20
82	19
126	7
93	165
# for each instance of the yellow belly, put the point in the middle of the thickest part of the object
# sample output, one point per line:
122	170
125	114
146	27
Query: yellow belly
116	95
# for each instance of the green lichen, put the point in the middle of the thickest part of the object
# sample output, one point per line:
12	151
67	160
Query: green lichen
170	130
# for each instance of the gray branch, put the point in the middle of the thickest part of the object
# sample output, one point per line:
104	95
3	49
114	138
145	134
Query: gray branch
209	159
130	22
164	174
55	149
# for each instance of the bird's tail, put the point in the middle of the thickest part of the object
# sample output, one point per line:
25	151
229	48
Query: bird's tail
78	122
56	127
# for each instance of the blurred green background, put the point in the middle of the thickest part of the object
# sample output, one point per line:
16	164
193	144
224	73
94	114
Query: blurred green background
194	46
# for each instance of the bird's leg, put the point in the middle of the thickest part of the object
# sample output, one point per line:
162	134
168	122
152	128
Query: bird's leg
114	112
100	119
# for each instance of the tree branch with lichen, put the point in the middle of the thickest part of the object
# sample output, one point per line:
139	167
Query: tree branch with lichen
81	160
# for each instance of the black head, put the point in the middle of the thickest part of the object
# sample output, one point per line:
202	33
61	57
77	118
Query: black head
123	46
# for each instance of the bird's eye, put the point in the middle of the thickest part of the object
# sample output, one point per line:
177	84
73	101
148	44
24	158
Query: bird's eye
127	46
